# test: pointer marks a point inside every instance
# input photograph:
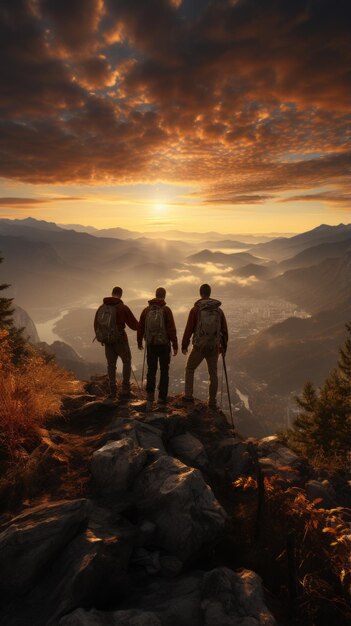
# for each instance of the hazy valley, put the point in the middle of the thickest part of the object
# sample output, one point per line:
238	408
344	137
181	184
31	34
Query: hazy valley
286	301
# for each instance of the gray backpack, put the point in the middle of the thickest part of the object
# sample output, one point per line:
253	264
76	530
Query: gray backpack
106	329
207	335
155	328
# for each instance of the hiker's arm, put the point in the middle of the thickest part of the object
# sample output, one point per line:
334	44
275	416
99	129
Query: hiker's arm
130	320
171	330
141	329
224	332
189	329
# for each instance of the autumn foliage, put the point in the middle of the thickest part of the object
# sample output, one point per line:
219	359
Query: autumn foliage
30	393
323	546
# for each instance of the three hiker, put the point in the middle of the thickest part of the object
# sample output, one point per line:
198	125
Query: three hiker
157	326
206	324
109	325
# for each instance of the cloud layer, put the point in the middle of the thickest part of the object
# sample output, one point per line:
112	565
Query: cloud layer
248	98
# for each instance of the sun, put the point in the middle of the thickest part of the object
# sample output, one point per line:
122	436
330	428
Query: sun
160	208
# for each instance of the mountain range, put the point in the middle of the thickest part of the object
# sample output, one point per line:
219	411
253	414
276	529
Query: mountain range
52	268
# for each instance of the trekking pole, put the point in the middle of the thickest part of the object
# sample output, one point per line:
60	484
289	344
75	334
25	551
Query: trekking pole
143	371
229	400
222	388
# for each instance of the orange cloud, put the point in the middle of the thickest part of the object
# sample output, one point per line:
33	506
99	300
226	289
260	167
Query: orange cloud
235	96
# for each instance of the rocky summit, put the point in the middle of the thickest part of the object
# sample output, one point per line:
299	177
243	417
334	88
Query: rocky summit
134	522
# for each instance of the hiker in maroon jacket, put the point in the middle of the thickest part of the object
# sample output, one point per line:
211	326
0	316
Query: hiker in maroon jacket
157	326
117	345
207	324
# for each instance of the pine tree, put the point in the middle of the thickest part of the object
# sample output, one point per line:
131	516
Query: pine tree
323	428
16	338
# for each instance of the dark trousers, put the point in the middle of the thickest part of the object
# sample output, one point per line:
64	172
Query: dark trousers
158	354
113	351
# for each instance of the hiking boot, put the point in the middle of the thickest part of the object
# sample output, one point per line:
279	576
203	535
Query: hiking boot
110	399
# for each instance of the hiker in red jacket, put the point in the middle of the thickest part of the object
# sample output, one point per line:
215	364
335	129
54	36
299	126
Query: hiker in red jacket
207	324
109	325
157	326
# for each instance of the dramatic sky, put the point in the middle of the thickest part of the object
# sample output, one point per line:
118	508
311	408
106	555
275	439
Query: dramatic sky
232	115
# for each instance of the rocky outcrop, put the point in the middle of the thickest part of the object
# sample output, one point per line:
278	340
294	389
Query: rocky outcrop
21	319
134	550
176	498
219	597
35	539
115	466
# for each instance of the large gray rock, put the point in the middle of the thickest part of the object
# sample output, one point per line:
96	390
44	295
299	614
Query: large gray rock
275	459
281	455
92	568
115	465
322	490
180	503
189	450
231	458
230	598
149	436
131	617
220	597
34	539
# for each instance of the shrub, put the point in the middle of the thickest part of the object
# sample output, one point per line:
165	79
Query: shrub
30	393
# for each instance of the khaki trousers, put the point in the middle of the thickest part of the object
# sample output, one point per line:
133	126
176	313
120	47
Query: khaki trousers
196	357
113	351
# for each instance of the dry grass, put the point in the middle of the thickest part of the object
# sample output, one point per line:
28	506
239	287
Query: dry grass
323	547
29	395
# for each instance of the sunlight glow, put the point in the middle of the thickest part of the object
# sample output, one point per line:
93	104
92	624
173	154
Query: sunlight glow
160	208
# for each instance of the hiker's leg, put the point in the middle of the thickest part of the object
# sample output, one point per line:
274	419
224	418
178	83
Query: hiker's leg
126	357
152	358
111	357
164	358
212	363
194	360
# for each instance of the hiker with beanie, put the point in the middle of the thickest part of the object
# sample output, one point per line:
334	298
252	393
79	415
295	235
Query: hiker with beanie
208	326
109	325
157	326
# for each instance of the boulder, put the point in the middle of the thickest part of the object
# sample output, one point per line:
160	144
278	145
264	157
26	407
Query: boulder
281	455
322	490
189	450
115	465
131	617
183	507
91	569
231	458
229	598
34	539
148	436
276	459
175	601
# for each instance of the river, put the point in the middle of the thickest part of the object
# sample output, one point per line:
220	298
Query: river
46	329
243	398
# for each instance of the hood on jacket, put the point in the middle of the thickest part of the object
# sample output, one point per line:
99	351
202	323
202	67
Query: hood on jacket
208	303
112	300
157	301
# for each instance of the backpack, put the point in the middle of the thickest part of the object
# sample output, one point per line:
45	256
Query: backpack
155	328
207	335
106	329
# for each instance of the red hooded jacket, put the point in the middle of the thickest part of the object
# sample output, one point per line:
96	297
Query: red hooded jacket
192	321
169	323
123	314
